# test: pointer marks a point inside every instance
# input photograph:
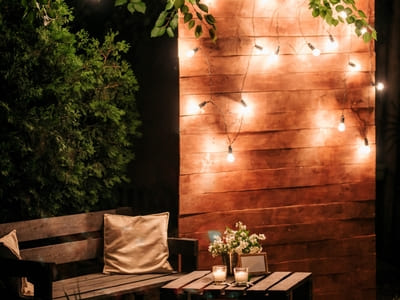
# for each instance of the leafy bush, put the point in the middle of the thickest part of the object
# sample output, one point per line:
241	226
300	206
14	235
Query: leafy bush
68	117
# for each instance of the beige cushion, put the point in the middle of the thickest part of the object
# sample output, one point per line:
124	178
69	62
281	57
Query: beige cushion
10	241
136	245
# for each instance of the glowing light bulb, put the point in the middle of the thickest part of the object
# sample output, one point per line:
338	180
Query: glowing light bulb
260	49
200	107
332	44
363	30
191	52
245	108
315	51
230	157
343	14
365	148
342	126
354	66
380	86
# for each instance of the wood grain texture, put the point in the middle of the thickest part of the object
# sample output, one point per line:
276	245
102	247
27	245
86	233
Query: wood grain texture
295	178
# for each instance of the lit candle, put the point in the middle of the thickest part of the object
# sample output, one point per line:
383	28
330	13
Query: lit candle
219	273
241	275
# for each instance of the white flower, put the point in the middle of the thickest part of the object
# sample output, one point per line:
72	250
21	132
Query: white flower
239	241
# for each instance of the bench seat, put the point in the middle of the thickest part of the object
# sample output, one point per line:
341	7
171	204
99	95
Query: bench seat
64	256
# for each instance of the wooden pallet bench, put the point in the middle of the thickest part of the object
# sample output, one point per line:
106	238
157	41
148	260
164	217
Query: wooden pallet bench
64	255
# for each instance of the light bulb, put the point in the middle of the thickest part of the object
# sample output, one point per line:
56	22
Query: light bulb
315	51
342	126
230	157
201	106
365	148
276	53
332	44
343	14
380	86
363	30
260	49
191	52
354	66
245	108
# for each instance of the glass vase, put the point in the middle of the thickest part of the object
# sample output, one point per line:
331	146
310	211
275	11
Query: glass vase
230	260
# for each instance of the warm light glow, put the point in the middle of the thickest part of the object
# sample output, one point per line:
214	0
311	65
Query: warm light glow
363	30
380	86
343	14
315	51
230	157
364	147
332	44
342	125
354	66
260	49
245	109
191	52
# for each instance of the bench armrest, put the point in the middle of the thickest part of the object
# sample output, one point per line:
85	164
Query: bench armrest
40	274
183	253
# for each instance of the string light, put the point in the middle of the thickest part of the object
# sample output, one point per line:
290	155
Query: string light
365	148
332	44
354	66
342	125
343	14
230	157
380	86
245	109
315	51
260	49
190	53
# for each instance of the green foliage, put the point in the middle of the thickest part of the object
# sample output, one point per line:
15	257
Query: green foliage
334	12
68	117
195	15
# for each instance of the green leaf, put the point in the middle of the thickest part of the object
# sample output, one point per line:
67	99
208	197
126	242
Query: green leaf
348	11
212	34
161	19
184	9
140	7
362	14
199	16
339	8
157	31
169	5
210	19
174	22
198	31
203	7
367	37
315	12
131	7
178	3
187	17
120	2
359	24
334	1
191	24
350	19
170	32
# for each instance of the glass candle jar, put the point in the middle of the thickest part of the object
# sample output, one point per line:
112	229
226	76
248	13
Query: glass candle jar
241	275
219	273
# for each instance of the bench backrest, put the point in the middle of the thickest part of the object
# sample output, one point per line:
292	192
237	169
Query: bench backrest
77	238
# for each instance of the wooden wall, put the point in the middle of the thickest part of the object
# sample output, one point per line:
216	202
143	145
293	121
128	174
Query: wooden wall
296	178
